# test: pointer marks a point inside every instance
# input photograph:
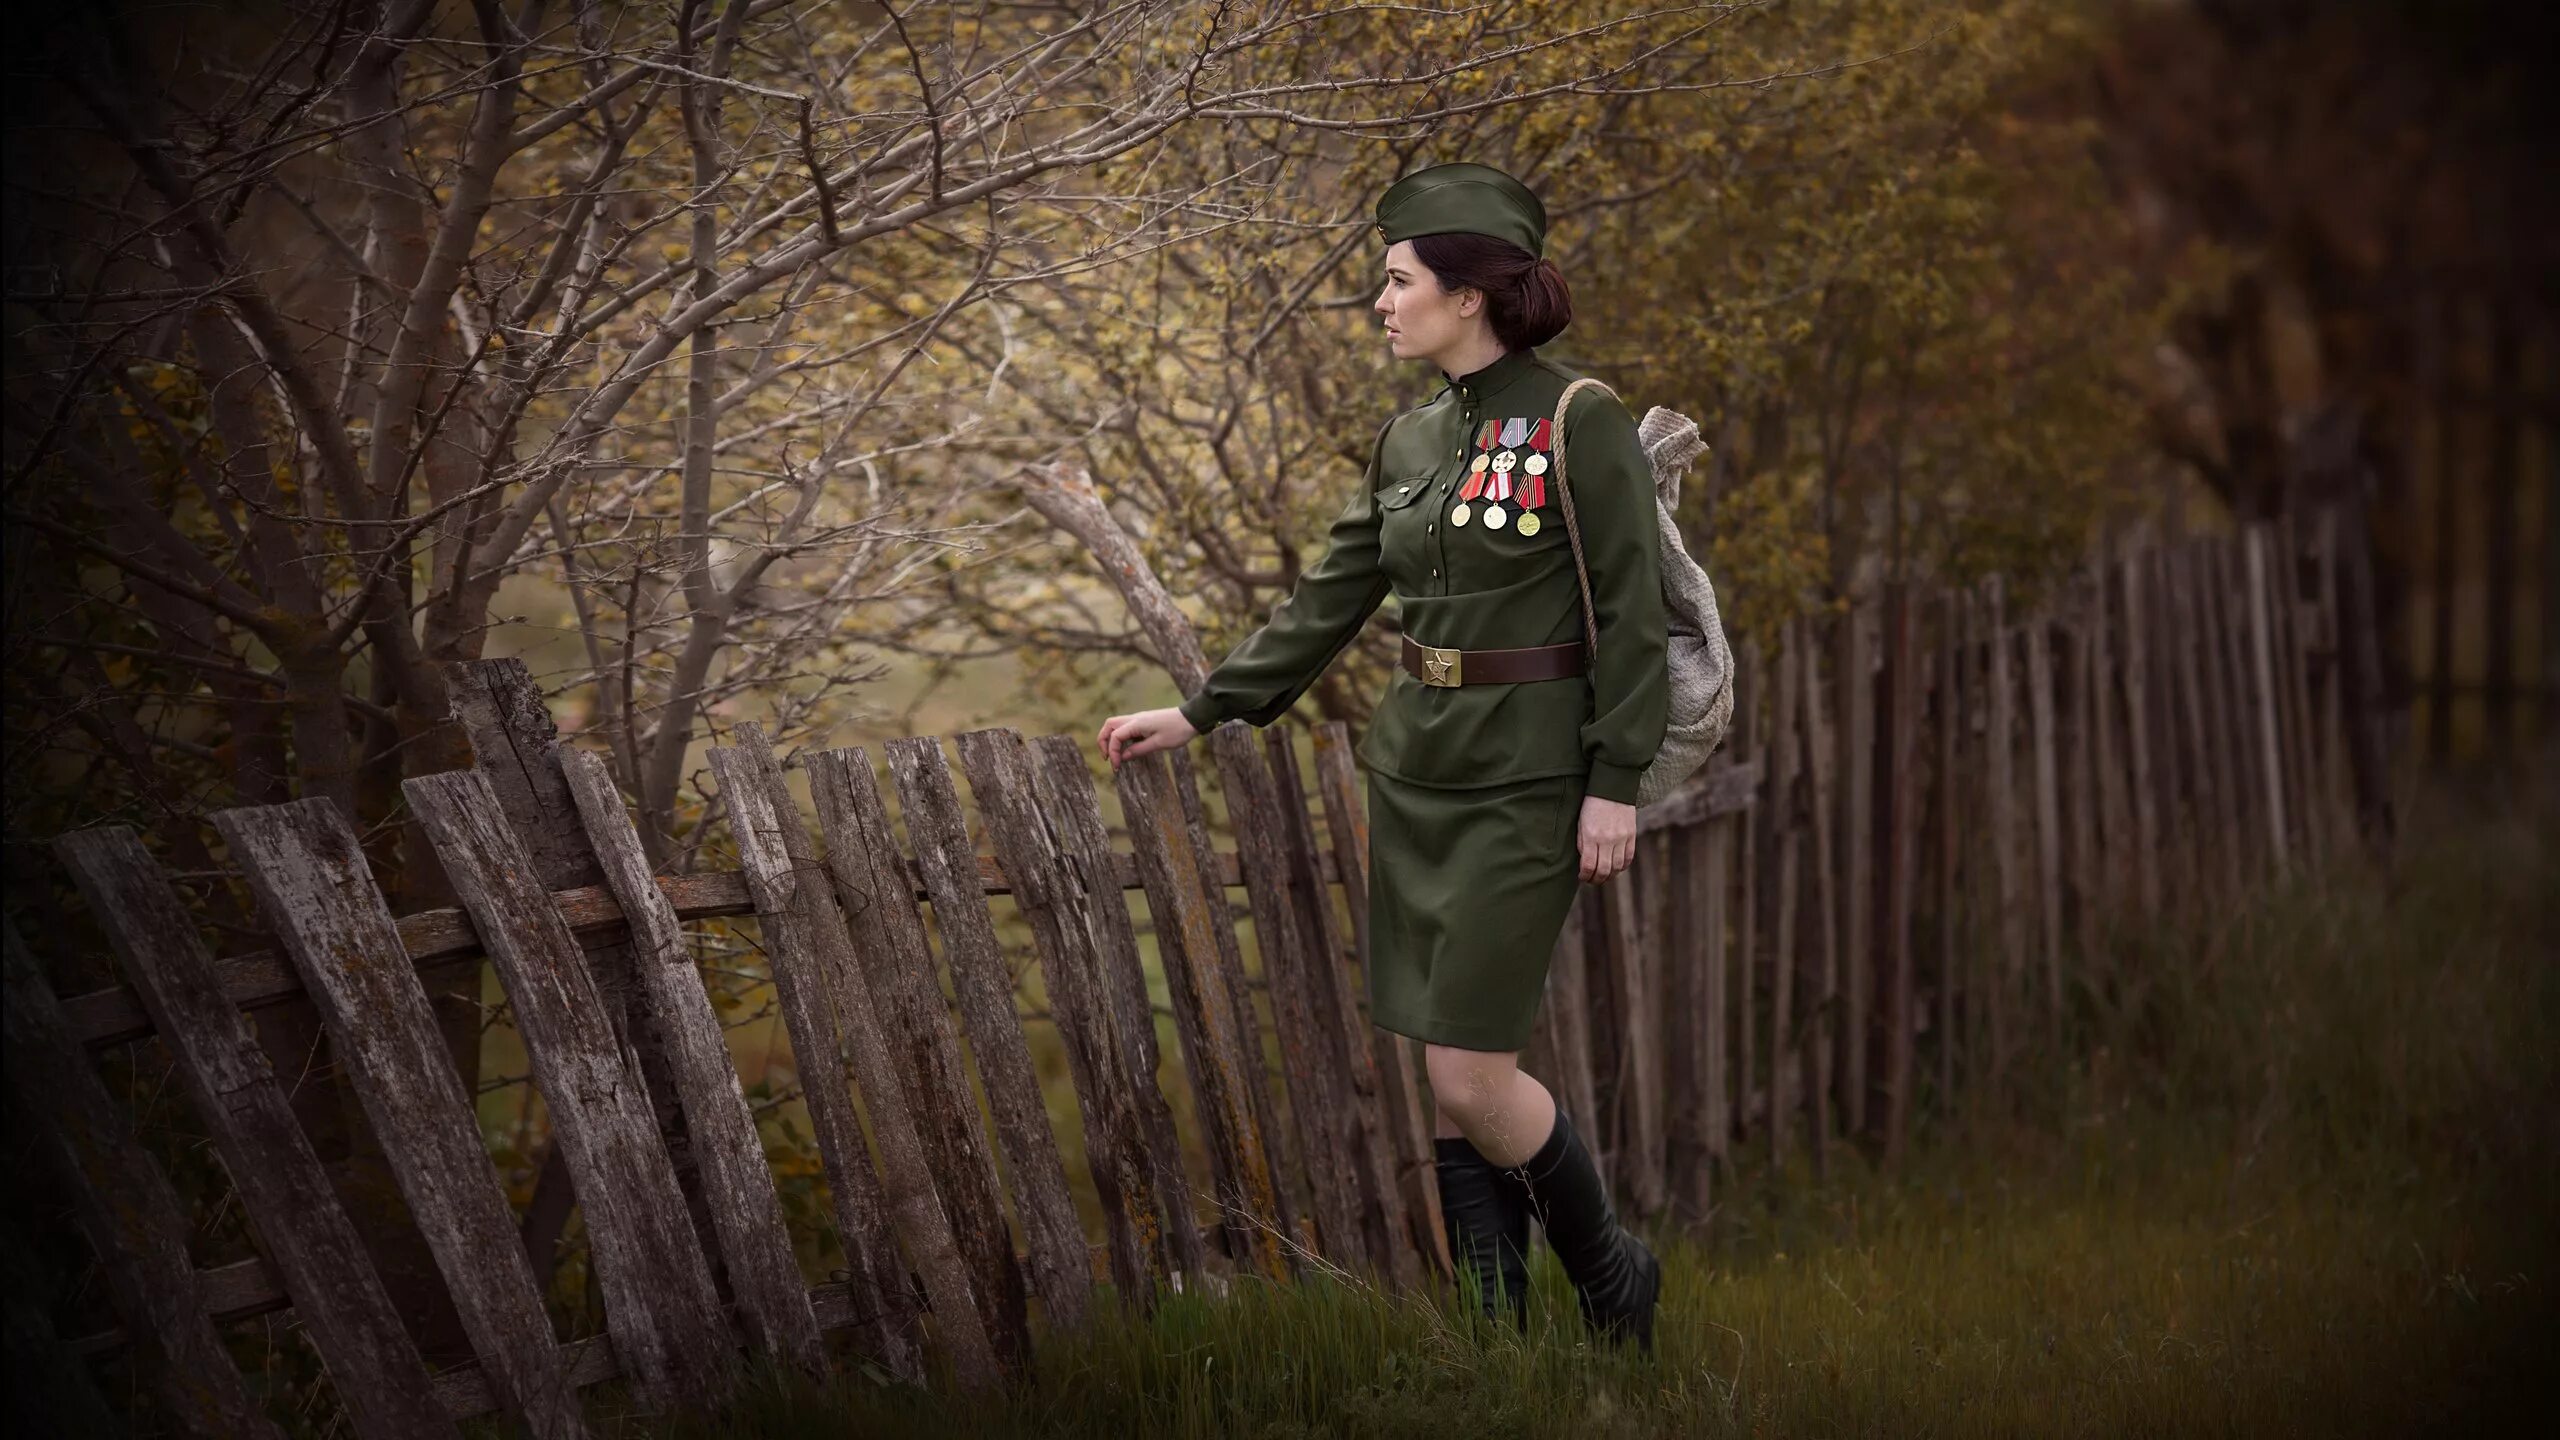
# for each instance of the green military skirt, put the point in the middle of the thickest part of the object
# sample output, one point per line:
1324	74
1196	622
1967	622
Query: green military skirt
1467	892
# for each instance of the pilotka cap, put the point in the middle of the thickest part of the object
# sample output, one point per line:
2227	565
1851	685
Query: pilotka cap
1463	197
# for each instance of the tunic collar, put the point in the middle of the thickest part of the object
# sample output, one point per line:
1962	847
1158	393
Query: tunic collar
1476	384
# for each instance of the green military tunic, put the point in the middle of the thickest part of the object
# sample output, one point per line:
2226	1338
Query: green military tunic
1475	789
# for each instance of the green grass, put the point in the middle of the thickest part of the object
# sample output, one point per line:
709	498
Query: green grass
2300	1179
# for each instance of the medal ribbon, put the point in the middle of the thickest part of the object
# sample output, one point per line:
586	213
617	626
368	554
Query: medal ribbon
1475	477
1534	494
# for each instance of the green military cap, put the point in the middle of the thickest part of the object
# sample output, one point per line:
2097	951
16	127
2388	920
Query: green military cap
1474	199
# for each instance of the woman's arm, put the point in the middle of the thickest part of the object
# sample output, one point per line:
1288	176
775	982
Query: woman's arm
1266	673
1613	507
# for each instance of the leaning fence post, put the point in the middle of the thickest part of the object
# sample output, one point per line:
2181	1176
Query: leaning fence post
773	1299
668	1328
316	890
292	1206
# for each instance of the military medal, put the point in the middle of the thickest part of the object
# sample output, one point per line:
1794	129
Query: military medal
1533	492
1477	474
1515	432
1528	522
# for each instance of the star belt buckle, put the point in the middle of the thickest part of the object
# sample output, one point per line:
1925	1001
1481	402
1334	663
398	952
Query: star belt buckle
1440	667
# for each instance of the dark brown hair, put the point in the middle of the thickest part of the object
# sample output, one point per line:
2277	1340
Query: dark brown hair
1525	296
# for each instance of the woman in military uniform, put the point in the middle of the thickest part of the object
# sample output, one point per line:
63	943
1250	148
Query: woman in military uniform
1503	759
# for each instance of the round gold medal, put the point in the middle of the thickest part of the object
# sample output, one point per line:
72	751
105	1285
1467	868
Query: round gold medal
1529	522
1458	514
1494	516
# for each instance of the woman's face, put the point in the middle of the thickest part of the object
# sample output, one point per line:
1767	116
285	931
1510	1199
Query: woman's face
1423	320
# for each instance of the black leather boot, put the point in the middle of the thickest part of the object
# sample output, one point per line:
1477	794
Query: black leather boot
1486	1212
1616	1278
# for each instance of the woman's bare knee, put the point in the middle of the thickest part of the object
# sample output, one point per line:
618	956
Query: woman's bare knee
1467	1085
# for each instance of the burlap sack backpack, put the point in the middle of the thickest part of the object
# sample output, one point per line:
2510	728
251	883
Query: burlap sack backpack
1700	662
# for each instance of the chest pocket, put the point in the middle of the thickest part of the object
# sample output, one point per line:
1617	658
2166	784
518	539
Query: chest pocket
1403	534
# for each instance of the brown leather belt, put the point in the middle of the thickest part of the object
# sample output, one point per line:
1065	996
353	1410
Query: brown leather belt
1433	665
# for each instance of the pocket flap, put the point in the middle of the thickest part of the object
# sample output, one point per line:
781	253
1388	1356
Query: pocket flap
1401	493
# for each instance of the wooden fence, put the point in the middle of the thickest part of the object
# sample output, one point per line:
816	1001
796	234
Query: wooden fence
1930	807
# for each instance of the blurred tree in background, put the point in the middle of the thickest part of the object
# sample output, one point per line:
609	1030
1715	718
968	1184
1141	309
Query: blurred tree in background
704	347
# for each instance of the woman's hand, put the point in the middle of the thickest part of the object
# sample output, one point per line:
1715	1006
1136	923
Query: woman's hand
1608	835
1126	737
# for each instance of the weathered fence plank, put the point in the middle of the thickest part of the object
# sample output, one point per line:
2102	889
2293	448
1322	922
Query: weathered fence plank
833	1026
1321	1111
2227	645
1750	750
123	1205
660	1307
2302	740
1711	896
1050	892
516	747
1856	737
1063	786
2077	702
1370	1161
890	936
1392	1056
301	1226
2001	742
2269	723
2038	634
1821	978
773	1301
2131	573
2210	868
1786	812
1279	1142
1903	695
1182	907
1946	719
2115	825
317	892
1567	1013
1634	944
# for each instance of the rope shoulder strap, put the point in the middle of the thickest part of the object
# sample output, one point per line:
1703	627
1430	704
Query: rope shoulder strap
1573	530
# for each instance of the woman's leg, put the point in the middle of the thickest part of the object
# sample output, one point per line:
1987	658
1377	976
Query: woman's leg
1514	1122
1485	1096
1484	1205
